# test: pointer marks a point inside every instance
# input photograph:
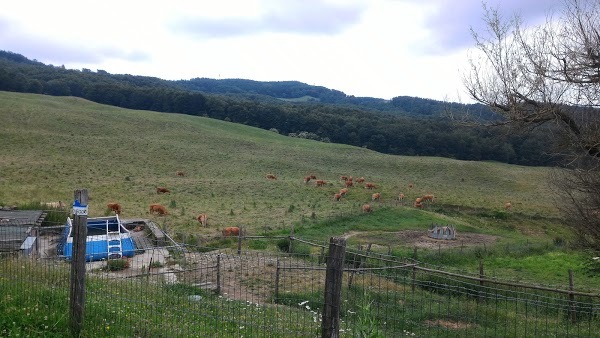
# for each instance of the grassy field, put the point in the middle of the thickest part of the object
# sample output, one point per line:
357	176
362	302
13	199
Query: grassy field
54	145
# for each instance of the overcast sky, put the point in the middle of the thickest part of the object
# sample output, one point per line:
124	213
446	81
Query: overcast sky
378	48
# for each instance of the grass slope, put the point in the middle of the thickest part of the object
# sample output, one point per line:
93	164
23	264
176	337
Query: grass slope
53	145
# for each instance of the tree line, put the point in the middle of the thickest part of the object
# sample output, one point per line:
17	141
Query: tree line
428	133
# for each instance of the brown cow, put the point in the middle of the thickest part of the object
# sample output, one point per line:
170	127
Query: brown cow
360	179
343	178
427	198
320	183
306	179
337	197
231	231
366	208
313	177
376	196
179	173
203	219
418	204
401	197
343	191
370	185
116	207
162	190
158	209
271	177
349	183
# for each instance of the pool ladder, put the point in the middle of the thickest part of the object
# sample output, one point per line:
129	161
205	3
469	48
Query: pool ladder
114	244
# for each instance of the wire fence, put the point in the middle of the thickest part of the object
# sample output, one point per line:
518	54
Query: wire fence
173	289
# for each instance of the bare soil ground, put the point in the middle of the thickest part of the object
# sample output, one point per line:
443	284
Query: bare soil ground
419	239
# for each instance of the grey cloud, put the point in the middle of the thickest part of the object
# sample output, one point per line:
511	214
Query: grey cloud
450	25
303	17
58	52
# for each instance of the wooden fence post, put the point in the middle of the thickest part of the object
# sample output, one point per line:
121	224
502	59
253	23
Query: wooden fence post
414	277
239	248
218	290
77	282
290	246
330	325
481	277
572	310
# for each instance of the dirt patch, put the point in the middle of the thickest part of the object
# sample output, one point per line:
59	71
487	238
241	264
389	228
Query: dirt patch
448	324
419	239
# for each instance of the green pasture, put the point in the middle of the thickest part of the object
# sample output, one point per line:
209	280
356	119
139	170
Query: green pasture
54	145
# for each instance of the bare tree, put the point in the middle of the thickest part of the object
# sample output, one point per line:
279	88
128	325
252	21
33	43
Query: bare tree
549	75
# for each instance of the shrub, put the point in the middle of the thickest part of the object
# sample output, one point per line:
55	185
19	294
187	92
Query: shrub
117	264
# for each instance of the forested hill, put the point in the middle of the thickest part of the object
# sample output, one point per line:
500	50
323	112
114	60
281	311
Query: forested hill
402	126
294	91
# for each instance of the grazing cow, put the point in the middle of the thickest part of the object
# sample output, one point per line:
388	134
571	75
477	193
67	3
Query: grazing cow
179	173
320	183
231	231
370	185
271	177
337	197
343	178
360	180
313	177
427	198
401	197
350	178
343	191
349	183
418	204
366	208
507	205
158	209
162	190
203	219
116	207
376	196
306	179
419	200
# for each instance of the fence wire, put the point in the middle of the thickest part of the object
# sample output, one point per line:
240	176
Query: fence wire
195	291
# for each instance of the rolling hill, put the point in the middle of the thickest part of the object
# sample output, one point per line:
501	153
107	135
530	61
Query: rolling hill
53	145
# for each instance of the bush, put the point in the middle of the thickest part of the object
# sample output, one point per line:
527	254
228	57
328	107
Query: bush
117	264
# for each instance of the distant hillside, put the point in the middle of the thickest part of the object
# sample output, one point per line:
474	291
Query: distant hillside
290	108
301	92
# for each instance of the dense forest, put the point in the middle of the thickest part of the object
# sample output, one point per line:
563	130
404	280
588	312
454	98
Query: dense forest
403	125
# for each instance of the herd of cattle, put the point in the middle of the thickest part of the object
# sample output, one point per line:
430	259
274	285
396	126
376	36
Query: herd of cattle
347	183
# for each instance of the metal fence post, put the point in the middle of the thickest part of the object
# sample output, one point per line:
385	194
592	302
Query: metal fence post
77	281
330	325
277	281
